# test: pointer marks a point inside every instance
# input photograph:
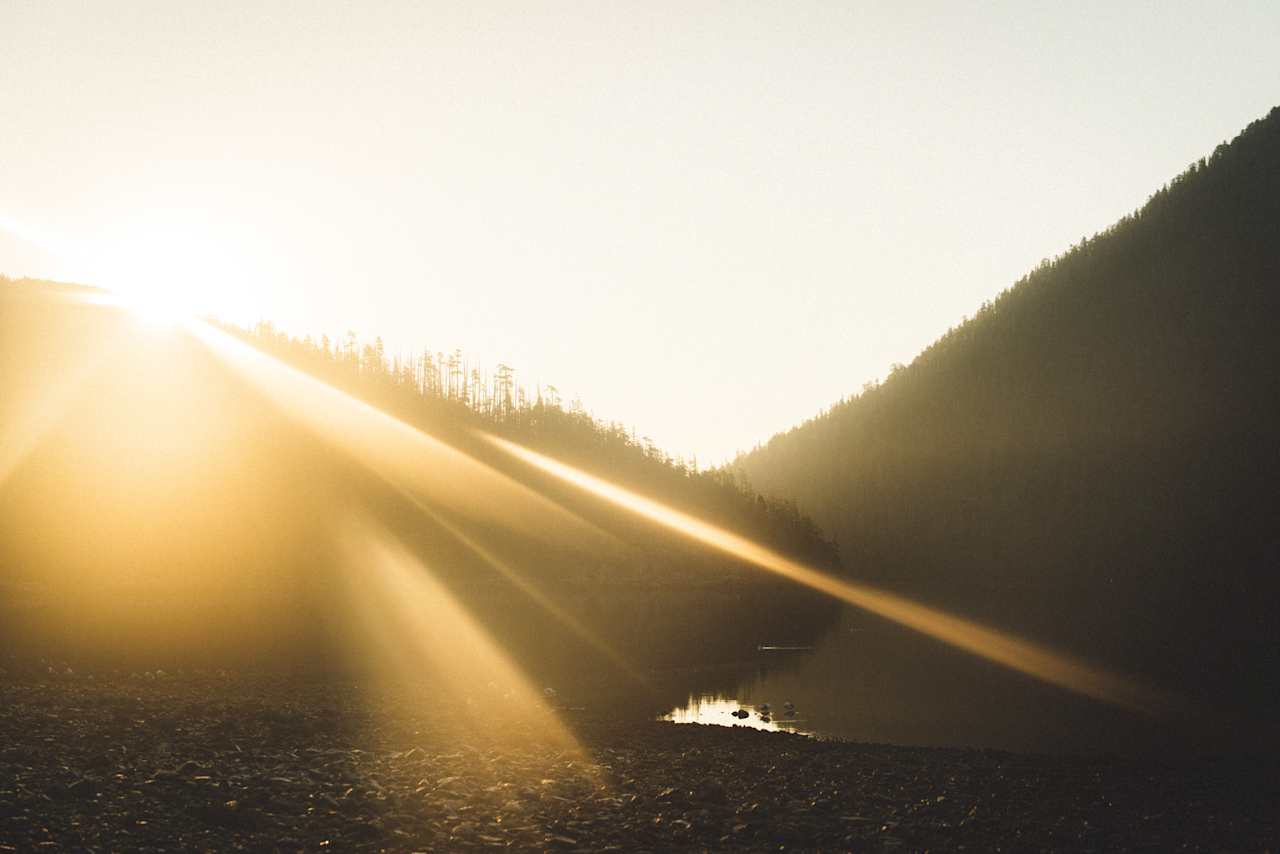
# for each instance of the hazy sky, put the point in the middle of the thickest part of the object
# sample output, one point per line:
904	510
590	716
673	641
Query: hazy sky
706	220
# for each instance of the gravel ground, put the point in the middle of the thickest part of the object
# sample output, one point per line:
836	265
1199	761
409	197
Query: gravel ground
213	762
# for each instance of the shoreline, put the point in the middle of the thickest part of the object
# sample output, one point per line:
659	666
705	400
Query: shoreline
233	764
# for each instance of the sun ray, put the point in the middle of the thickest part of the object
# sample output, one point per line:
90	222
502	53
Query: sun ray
20	432
27	415
404	456
530	589
304	395
411	629
1013	652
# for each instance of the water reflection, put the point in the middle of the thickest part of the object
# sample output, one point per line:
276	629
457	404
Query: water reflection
868	680
718	710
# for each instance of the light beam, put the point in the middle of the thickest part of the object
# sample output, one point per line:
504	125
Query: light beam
1006	649
524	585
32	401
412	627
404	456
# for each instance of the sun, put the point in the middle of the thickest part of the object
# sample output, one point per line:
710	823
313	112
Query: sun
167	274
158	306
169	261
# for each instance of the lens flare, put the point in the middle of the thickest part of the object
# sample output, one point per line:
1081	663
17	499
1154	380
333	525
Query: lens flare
1006	649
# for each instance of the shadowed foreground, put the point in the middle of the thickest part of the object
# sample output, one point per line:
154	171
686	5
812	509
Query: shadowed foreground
222	762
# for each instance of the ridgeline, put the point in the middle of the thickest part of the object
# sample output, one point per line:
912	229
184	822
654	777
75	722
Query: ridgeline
1093	458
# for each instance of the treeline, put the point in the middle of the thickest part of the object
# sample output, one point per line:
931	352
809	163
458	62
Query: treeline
449	395
160	508
663	599
1093	458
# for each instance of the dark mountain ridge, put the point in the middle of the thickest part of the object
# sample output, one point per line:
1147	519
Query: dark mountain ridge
1093	458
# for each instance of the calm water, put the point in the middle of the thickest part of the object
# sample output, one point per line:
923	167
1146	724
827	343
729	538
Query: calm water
725	711
871	681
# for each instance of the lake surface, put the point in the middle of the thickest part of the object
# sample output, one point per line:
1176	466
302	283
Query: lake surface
871	681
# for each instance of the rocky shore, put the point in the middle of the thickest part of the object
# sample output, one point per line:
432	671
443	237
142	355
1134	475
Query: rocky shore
207	761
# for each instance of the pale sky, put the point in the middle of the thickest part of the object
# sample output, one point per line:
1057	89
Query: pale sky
707	221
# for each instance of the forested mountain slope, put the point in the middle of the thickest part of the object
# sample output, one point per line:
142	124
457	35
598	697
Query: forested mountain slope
450	397
161	503
1094	458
